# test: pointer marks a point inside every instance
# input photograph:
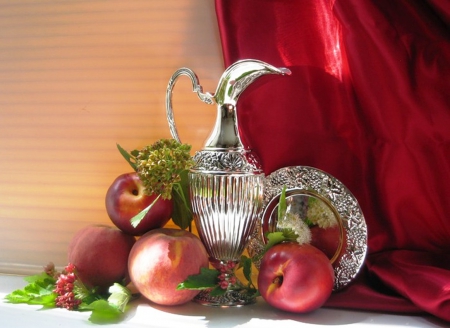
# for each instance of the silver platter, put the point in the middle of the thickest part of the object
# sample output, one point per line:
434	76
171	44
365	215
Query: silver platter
307	188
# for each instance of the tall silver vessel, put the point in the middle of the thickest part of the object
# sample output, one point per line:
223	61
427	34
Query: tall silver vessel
226	182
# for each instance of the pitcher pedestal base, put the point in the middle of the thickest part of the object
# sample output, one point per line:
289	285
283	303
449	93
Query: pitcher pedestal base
231	298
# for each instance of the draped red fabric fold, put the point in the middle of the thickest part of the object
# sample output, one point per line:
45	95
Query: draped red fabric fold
368	101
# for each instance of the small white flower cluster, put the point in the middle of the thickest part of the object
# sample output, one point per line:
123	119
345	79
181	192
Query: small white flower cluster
297	225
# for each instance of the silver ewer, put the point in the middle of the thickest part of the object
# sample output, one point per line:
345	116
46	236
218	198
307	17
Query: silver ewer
227	180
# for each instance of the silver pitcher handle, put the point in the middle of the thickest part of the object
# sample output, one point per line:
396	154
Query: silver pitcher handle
196	87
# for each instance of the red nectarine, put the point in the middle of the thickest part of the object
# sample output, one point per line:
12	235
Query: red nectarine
163	258
295	278
126	198
100	255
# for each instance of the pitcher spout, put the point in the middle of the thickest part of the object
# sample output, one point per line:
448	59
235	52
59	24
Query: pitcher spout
233	82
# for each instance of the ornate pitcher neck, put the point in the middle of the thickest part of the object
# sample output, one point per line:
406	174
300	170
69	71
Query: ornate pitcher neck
225	134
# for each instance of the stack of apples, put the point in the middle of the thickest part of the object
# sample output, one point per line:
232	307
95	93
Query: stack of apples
146	254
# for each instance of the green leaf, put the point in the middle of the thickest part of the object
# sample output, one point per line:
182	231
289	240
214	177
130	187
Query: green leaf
120	296
289	234
38	292
111	310
282	204
207	278
18	296
274	238
41	277
182	211
246	264
102	312
277	237
135	220
84	294
46	300
130	158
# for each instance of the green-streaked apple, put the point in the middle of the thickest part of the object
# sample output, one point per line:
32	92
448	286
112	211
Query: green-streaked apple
126	198
100	255
295	278
161	260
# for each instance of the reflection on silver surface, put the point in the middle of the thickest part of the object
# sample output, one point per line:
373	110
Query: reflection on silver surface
331	213
314	220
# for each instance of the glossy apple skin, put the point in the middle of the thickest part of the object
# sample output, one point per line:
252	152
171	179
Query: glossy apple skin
163	258
125	198
295	278
100	255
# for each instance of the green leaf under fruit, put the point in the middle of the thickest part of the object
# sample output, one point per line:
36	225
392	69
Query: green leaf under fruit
39	291
41	277
289	234
120	296
102	312
274	238
110	310
207	278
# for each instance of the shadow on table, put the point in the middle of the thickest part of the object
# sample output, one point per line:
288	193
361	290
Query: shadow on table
260	314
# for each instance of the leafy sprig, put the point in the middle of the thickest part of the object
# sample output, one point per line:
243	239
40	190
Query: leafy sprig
218	281
159	165
40	290
206	279
163	169
282	204
110	309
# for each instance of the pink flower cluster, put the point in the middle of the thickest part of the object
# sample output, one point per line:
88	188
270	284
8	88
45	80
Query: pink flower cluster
226	276
64	288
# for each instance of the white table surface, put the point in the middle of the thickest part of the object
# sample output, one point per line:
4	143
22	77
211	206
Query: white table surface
145	314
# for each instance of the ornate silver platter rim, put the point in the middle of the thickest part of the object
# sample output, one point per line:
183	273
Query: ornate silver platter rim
317	182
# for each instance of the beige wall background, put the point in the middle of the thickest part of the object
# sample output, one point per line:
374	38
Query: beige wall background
77	77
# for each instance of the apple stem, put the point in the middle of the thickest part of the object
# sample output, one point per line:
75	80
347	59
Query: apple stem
278	280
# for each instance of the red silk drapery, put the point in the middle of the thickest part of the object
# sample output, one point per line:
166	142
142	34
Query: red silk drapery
368	101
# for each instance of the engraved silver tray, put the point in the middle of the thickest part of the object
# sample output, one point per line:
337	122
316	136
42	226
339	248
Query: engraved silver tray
322	202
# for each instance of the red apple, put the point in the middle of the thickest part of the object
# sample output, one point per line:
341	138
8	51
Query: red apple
295	278
163	258
100	255
125	198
